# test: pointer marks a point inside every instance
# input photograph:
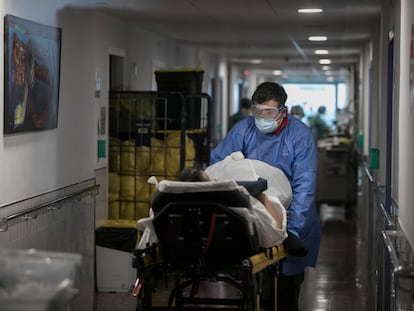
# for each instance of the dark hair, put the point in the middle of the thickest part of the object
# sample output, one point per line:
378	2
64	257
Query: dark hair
192	173
245	103
297	110
267	91
321	109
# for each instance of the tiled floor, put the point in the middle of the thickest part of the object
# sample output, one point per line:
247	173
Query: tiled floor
336	284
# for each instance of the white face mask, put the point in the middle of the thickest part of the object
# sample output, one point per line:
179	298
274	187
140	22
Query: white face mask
266	126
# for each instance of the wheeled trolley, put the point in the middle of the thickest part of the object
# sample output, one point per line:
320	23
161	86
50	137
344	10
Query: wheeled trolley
202	238
150	135
336	179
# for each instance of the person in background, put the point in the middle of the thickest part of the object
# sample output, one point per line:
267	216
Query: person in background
244	112
273	136
318	125
297	112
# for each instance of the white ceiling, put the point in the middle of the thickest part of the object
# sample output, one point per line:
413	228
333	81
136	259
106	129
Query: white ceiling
270	30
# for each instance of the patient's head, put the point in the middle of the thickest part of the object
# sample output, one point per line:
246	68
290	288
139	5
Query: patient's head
193	173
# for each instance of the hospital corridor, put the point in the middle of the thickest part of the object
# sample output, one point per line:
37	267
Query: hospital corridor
224	155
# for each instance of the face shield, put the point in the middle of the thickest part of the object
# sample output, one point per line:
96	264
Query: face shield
266	112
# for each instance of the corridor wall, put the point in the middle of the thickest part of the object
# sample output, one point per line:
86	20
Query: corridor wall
405	121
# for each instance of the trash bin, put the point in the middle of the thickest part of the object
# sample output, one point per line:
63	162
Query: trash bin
115	243
38	280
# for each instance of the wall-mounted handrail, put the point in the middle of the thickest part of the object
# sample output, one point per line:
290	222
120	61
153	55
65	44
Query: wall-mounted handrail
368	173
387	217
398	267
77	184
50	205
401	270
394	210
389	245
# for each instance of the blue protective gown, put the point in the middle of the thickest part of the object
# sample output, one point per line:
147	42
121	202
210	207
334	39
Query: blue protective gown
293	150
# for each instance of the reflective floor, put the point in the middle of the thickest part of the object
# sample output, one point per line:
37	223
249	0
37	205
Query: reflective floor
336	284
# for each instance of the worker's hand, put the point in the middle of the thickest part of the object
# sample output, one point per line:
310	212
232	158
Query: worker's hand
295	246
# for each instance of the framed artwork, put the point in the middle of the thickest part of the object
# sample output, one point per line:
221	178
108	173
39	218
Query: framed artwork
31	75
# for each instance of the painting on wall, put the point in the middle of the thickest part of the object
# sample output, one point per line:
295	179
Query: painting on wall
31	75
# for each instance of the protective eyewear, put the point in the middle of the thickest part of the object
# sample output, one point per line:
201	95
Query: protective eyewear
266	112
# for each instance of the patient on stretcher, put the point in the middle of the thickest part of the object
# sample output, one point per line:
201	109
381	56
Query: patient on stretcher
267	214
269	217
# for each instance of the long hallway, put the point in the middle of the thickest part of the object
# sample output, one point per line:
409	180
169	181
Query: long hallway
338	282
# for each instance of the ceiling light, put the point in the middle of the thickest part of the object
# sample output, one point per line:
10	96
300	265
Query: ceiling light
277	72
310	11
326	67
321	52
324	61
317	38
328	72
330	79
256	61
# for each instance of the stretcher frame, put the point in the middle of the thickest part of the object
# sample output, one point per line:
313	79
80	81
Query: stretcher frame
252	268
245	274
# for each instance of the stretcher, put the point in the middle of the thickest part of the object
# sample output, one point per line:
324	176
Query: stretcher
203	236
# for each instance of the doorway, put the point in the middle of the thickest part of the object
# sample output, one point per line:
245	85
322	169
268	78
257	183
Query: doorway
116	73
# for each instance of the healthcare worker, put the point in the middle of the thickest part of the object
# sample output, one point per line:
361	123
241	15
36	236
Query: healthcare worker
273	136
